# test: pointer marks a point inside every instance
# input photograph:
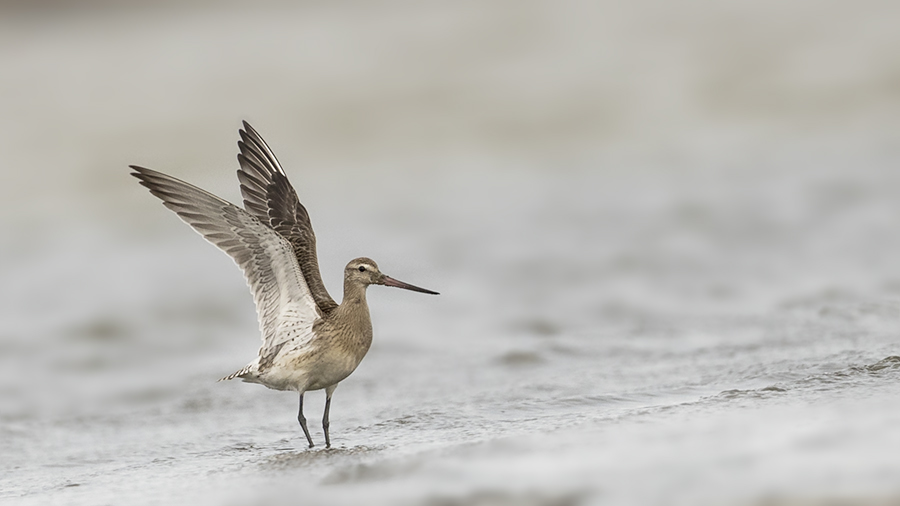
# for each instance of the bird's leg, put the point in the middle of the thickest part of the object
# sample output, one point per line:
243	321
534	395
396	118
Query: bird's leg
325	422
302	420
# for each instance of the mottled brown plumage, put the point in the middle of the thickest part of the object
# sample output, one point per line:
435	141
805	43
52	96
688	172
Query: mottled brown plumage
309	342
269	196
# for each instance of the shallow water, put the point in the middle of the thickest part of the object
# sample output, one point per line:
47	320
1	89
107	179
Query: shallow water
664	280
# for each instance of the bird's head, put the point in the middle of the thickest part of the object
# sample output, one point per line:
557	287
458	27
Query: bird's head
364	271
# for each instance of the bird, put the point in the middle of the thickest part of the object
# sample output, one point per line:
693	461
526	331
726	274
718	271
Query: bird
309	342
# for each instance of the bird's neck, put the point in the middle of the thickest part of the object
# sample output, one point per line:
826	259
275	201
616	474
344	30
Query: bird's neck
354	294
354	313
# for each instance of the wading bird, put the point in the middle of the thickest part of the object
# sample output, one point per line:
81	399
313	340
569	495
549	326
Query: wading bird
309	342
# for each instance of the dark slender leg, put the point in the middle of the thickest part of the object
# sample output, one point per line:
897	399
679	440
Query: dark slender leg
302	420
325	422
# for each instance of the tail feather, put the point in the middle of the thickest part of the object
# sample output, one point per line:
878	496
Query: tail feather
239	374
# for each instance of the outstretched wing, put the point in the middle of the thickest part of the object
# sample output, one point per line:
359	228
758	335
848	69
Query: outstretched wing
284	304
269	196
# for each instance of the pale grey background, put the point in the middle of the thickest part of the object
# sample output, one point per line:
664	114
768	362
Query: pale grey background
666	236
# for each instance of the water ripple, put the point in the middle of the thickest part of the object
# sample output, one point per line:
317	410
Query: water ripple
834	380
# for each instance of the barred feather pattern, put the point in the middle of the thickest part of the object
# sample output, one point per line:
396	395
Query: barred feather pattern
284	304
269	196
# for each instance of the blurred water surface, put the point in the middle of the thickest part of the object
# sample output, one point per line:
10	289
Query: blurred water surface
666	237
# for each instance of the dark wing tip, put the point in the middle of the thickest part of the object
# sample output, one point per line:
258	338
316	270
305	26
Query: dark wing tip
145	174
248	130
140	172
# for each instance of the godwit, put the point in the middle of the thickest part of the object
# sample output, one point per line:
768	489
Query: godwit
309	342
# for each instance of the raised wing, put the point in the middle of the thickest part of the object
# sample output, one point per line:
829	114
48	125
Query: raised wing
269	196
284	304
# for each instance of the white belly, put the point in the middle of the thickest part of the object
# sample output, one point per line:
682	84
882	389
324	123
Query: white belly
308	369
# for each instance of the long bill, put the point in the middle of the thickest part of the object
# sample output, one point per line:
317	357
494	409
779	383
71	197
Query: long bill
389	281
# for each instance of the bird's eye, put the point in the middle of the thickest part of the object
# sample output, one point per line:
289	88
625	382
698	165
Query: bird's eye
362	268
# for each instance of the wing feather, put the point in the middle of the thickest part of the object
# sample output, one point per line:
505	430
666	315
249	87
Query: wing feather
284	304
269	196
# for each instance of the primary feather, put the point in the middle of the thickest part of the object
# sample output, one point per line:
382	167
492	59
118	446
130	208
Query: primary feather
269	196
284	304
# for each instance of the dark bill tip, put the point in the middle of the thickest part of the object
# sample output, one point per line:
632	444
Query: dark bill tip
389	281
